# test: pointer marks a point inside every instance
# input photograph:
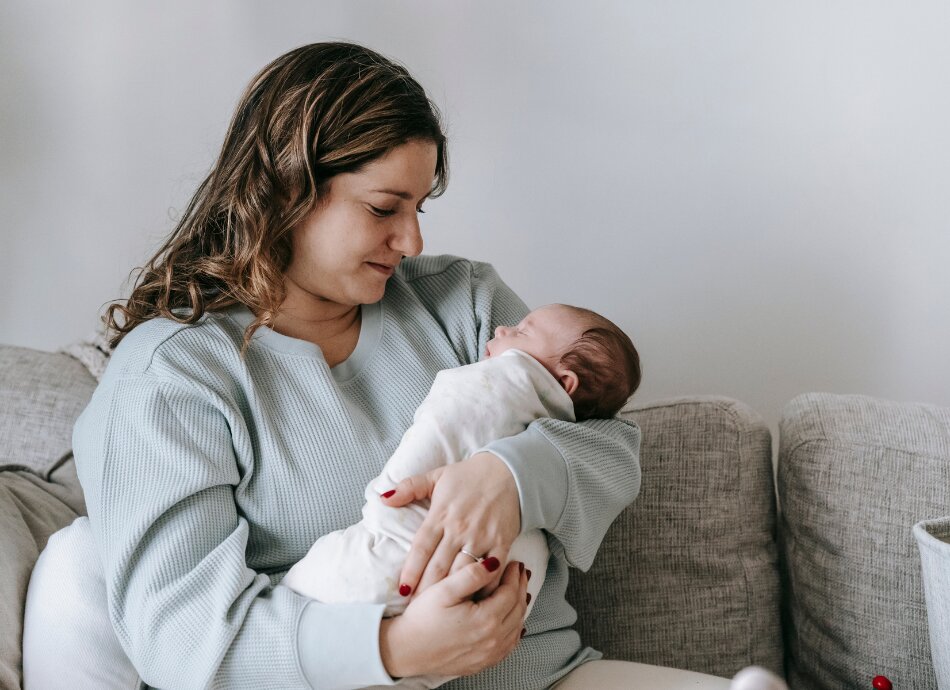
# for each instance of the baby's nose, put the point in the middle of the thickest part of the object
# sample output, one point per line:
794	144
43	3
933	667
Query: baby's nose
500	331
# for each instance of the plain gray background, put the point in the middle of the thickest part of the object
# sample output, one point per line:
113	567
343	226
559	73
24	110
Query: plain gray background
756	191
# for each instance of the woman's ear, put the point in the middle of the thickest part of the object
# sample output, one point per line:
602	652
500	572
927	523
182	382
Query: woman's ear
568	380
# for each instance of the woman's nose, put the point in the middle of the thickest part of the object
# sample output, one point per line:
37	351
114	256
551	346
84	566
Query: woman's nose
407	239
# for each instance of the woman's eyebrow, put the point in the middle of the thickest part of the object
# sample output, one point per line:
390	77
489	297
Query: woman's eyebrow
398	192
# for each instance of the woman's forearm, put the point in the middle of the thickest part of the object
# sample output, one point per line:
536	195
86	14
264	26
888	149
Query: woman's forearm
574	479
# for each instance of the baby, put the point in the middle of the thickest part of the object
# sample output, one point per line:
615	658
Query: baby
561	362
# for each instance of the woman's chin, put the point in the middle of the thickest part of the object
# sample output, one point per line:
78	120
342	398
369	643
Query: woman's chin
371	295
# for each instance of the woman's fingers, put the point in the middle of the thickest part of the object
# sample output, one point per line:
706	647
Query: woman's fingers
508	604
440	563
424	544
516	576
474	505
461	561
461	586
412	489
443	632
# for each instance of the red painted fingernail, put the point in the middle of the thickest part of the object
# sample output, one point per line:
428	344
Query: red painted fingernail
491	564
529	575
520	567
529	598
405	590
523	631
389	493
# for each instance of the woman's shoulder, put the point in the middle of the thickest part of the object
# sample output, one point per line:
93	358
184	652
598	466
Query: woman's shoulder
162	346
442	271
414	268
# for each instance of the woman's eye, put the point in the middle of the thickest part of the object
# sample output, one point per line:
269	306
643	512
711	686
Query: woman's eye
381	212
420	210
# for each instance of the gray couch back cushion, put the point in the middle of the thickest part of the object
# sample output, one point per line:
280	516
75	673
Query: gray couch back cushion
41	395
687	576
855	474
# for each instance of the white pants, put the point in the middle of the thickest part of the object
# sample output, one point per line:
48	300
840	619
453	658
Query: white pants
628	675
68	640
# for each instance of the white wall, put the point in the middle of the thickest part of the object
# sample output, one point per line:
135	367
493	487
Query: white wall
756	191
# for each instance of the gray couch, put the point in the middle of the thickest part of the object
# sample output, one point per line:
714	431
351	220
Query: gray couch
701	572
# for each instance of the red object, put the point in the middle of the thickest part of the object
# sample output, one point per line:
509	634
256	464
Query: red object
491	564
406	590
389	493
882	683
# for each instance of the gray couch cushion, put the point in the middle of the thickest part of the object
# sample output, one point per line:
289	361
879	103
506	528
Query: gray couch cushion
41	395
855	474
687	576
31	509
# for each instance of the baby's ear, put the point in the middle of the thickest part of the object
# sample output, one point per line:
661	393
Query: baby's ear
568	380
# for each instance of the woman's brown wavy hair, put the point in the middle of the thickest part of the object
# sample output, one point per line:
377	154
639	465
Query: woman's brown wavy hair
315	112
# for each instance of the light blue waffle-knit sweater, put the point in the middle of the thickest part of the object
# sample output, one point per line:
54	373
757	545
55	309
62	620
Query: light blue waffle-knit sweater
207	476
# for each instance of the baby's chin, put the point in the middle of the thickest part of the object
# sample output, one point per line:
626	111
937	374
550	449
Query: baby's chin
494	352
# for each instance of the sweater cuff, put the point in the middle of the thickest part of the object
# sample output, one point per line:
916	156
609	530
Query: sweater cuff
338	645
540	472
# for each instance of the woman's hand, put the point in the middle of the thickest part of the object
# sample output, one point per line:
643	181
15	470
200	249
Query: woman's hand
475	506
444	632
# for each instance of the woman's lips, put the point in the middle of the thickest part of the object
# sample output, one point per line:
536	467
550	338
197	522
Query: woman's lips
382	268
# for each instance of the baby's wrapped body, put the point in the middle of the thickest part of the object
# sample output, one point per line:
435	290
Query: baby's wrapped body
466	408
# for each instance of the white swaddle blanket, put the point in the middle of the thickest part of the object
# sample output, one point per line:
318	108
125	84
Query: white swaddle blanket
466	408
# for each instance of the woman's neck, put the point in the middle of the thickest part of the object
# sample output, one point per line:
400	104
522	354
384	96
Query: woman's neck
304	316
322	331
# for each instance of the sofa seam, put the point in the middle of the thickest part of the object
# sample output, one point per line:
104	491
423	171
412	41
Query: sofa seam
743	457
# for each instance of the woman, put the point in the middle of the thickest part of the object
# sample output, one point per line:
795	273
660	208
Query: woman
267	362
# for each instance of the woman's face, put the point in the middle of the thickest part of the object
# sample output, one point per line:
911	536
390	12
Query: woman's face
345	250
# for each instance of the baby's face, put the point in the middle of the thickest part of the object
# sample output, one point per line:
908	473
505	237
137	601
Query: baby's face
545	334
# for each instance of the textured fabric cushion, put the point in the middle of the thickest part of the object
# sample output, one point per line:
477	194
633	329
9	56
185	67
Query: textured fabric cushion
687	576
41	395
855	474
30	511
933	540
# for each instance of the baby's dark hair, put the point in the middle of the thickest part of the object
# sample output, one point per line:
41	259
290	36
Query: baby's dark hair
607	366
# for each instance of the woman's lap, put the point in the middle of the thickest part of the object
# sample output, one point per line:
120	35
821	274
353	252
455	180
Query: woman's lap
68	640
627	675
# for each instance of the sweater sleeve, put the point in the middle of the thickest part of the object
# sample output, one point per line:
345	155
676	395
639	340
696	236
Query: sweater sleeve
158	467
573	479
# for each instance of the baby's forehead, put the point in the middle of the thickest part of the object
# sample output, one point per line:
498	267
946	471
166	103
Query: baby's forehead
552	313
